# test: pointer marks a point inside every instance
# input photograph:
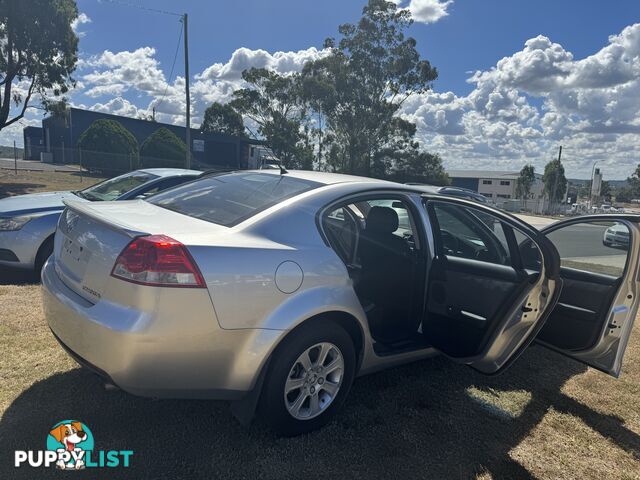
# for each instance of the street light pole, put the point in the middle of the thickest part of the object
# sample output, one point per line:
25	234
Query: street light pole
188	98
593	173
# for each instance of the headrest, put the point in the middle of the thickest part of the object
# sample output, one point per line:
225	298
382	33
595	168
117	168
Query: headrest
382	220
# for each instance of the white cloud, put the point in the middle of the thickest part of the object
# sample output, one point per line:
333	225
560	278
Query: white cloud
245	58
117	106
81	19
529	103
426	11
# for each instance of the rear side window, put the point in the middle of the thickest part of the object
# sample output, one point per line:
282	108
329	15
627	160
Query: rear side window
231	198
116	187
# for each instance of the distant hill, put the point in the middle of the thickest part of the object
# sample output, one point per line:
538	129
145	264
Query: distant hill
613	183
7	152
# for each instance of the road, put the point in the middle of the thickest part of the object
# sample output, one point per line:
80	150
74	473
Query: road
8	163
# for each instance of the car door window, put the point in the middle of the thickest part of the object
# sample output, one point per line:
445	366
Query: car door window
342	231
471	234
598	301
593	247
405	227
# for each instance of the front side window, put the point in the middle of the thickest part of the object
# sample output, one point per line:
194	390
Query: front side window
470	233
594	247
231	198
116	187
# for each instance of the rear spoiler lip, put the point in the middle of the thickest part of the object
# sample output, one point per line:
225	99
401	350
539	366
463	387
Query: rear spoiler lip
86	209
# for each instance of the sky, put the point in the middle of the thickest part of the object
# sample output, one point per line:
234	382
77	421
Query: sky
516	79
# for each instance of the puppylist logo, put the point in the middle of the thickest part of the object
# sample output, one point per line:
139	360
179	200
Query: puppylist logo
70	446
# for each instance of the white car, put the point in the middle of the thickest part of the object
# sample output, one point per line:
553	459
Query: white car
28	222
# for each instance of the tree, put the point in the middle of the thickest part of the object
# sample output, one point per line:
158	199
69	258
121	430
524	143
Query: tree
361	86
421	167
634	182
163	148
223	118
624	194
525	181
273	102
555	183
107	146
38	53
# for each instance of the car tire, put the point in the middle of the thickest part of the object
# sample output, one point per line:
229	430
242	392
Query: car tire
44	252
276	406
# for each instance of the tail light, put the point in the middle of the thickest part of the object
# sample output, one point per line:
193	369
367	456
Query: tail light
158	260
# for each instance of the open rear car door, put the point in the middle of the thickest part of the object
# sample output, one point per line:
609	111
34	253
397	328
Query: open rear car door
593	319
483	305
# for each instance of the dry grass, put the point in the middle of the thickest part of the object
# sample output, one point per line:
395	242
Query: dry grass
546	417
31	182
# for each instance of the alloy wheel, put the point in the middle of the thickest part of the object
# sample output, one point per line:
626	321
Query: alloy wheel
314	381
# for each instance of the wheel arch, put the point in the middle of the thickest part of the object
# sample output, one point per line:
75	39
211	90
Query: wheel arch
245	408
45	243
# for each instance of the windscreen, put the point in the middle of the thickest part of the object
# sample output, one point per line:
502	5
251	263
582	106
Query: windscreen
229	199
116	187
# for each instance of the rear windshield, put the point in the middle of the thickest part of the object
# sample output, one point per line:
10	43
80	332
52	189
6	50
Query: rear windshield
229	199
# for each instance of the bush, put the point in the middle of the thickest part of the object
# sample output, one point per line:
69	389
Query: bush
108	146
163	149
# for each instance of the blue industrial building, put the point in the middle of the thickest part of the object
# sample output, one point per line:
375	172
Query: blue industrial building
60	133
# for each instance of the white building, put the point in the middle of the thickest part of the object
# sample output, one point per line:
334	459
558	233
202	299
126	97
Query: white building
498	186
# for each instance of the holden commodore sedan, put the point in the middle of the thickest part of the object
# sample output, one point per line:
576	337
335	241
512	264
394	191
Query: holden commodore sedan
28	222
274	290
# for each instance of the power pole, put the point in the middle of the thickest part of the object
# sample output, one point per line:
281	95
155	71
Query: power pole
186	79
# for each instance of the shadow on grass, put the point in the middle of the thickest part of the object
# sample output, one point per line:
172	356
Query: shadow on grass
13	189
17	276
85	179
413	421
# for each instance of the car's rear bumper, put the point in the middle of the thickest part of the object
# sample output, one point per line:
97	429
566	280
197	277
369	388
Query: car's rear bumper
178	350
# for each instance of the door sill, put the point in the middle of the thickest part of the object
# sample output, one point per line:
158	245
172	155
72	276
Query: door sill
416	342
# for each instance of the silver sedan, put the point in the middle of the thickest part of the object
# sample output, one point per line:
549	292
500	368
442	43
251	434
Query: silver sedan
275	290
28	222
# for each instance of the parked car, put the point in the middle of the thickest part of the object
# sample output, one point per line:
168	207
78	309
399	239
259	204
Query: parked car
28	222
277	290
616	236
454	192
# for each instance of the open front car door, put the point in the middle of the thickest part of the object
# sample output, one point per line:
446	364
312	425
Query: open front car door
593	319
483	305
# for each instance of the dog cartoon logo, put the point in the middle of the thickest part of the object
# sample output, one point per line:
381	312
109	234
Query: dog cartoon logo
71	440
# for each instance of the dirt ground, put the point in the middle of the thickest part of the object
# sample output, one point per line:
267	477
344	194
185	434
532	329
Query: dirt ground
32	182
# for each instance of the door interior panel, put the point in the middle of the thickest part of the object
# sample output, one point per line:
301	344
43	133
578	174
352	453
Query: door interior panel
465	298
582	310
